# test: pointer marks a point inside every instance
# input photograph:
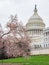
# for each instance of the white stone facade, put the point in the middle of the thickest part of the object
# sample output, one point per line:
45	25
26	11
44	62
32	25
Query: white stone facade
46	37
38	33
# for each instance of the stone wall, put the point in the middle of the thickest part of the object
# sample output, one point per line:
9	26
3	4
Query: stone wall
40	51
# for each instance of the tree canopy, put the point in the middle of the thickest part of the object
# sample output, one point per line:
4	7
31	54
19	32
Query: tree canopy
15	42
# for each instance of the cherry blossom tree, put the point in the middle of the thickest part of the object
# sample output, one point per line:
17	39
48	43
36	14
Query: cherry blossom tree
1	41
15	41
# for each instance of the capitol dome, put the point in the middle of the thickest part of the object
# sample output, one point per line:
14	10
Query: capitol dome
35	21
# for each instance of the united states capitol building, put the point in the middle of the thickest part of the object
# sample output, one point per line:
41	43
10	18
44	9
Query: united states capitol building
38	33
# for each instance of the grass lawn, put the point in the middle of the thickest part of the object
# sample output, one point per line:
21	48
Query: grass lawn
31	60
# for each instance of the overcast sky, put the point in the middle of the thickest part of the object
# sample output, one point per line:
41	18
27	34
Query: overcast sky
24	9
